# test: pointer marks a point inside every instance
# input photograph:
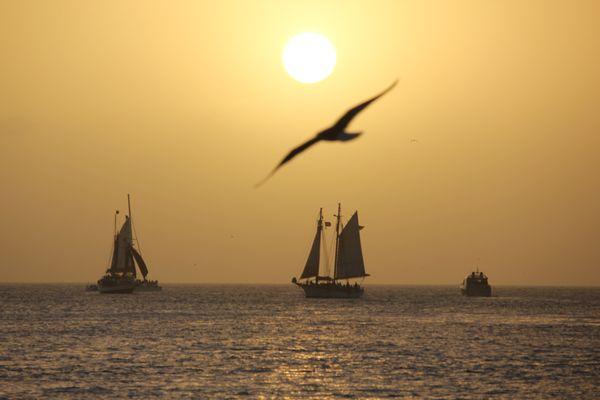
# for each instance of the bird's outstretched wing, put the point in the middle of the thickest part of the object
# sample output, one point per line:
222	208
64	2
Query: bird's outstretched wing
298	150
343	122
290	155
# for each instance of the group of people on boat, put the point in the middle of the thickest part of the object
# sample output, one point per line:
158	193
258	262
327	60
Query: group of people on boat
146	282
478	275
112	278
331	283
347	284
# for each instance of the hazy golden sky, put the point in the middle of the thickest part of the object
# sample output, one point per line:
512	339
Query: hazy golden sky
185	105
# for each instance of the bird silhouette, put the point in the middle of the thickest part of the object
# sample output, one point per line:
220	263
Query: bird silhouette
335	132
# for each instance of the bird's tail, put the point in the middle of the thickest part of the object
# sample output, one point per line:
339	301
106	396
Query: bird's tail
345	136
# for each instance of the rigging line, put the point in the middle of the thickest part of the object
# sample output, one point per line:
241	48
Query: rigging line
110	254
139	246
113	244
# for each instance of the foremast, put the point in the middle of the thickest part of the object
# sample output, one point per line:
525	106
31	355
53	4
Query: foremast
337	240
320	235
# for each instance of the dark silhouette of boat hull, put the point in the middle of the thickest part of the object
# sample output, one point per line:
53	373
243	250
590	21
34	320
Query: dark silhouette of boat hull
331	291
113	284
118	289
477	291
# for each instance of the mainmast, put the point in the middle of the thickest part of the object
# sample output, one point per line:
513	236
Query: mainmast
115	231
319	228
129	205
337	240
134	238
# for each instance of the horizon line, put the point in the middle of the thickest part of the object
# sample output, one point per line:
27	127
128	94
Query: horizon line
282	284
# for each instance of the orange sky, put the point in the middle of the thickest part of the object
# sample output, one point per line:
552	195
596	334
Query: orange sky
186	105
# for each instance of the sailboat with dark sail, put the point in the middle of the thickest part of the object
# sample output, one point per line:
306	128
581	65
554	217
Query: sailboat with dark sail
121	276
316	279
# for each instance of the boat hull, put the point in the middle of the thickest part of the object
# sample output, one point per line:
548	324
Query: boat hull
331	291
477	291
119	288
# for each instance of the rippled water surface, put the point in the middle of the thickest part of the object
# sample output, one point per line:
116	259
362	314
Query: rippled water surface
213	341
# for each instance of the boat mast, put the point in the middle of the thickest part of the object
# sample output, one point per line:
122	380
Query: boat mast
337	240
115	231
130	220
129	205
319	228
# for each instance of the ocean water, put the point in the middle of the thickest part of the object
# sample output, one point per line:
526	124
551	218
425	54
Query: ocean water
243	341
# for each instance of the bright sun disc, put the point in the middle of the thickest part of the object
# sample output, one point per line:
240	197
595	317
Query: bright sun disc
309	57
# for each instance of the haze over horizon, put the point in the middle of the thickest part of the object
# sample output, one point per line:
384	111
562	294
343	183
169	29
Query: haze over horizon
484	155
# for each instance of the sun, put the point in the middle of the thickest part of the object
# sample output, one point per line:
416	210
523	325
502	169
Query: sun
309	57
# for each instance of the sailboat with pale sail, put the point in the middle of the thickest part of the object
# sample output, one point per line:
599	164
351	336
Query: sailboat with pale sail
316	280
121	276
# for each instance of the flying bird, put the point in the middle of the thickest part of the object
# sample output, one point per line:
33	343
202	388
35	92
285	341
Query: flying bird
335	132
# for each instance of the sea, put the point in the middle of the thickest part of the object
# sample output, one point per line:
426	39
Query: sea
269	342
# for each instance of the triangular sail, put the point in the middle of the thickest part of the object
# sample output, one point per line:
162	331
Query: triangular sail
130	263
324	269
113	262
350	258
140	262
122	258
311	269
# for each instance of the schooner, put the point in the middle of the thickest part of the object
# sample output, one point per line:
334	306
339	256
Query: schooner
348	261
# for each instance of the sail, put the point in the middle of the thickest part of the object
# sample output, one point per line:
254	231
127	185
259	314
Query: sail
311	269
140	262
113	262
324	262
122	259
350	258
130	263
